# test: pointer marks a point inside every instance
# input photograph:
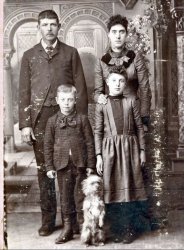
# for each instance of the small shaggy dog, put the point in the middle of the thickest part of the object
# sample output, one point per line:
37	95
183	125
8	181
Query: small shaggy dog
94	211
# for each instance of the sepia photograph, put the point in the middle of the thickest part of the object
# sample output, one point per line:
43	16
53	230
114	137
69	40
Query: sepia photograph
92	126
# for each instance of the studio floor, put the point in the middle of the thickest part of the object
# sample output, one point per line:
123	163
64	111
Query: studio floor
23	217
22	233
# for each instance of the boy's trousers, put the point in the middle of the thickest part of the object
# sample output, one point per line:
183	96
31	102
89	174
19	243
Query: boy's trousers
70	188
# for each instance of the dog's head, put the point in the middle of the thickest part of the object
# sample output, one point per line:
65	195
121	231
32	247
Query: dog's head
93	184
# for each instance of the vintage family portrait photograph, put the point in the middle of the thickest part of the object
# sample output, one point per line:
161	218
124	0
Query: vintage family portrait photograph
93	124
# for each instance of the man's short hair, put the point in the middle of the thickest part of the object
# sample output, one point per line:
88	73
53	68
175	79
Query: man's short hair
67	88
117	19
50	14
118	70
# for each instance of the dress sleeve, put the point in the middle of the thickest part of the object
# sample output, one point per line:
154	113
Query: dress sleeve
99	129
138	123
144	86
101	73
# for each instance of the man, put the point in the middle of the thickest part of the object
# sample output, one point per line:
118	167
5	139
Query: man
134	63
44	67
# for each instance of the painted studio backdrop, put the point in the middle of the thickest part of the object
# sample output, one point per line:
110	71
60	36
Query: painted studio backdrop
157	29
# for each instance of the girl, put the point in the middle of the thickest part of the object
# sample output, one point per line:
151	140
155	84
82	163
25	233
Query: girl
120	151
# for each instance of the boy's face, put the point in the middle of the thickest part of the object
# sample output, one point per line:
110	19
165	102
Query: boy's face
49	29
116	83
66	102
117	36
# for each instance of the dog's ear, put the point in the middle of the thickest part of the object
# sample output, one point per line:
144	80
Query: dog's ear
89	171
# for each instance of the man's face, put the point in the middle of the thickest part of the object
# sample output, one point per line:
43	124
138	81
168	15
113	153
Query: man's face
49	29
66	102
117	36
116	83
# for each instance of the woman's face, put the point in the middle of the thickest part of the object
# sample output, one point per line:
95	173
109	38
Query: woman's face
117	36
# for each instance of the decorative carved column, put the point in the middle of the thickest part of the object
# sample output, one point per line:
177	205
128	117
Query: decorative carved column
160	27
8	109
159	66
178	15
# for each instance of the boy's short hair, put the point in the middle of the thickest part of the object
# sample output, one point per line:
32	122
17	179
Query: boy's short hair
50	14
67	88
117	19
118	70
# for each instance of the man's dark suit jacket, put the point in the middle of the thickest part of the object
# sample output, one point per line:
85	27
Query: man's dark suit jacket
38	73
60	139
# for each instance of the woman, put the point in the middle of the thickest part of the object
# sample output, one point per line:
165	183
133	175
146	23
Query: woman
118	54
138	84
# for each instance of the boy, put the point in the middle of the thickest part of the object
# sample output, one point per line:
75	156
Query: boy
69	150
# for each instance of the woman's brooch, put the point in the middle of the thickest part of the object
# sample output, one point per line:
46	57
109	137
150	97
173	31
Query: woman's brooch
124	60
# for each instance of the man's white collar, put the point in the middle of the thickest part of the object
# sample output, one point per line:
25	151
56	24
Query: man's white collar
44	45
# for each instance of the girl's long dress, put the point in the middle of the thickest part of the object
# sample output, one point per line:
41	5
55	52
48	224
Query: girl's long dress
123	181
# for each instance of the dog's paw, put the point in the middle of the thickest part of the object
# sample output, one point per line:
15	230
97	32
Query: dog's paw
101	223
97	244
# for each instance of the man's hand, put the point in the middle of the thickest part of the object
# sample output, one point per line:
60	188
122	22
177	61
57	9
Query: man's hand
27	135
143	158
99	165
51	174
102	99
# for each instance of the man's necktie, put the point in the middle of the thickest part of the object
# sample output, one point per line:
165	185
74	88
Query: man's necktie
49	51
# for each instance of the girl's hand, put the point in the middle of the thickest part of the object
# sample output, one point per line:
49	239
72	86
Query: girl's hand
99	165
142	158
102	99
145	128
51	174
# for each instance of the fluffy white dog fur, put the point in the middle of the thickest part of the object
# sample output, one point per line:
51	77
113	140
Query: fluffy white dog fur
94	211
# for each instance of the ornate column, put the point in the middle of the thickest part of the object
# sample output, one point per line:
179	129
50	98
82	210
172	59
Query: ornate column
8	109
160	27
159	66
178	15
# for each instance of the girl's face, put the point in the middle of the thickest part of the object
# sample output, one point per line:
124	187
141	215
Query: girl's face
117	36
66	102
116	84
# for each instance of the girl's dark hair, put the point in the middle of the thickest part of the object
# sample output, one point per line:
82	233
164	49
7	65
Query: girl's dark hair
118	70
117	19
50	14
